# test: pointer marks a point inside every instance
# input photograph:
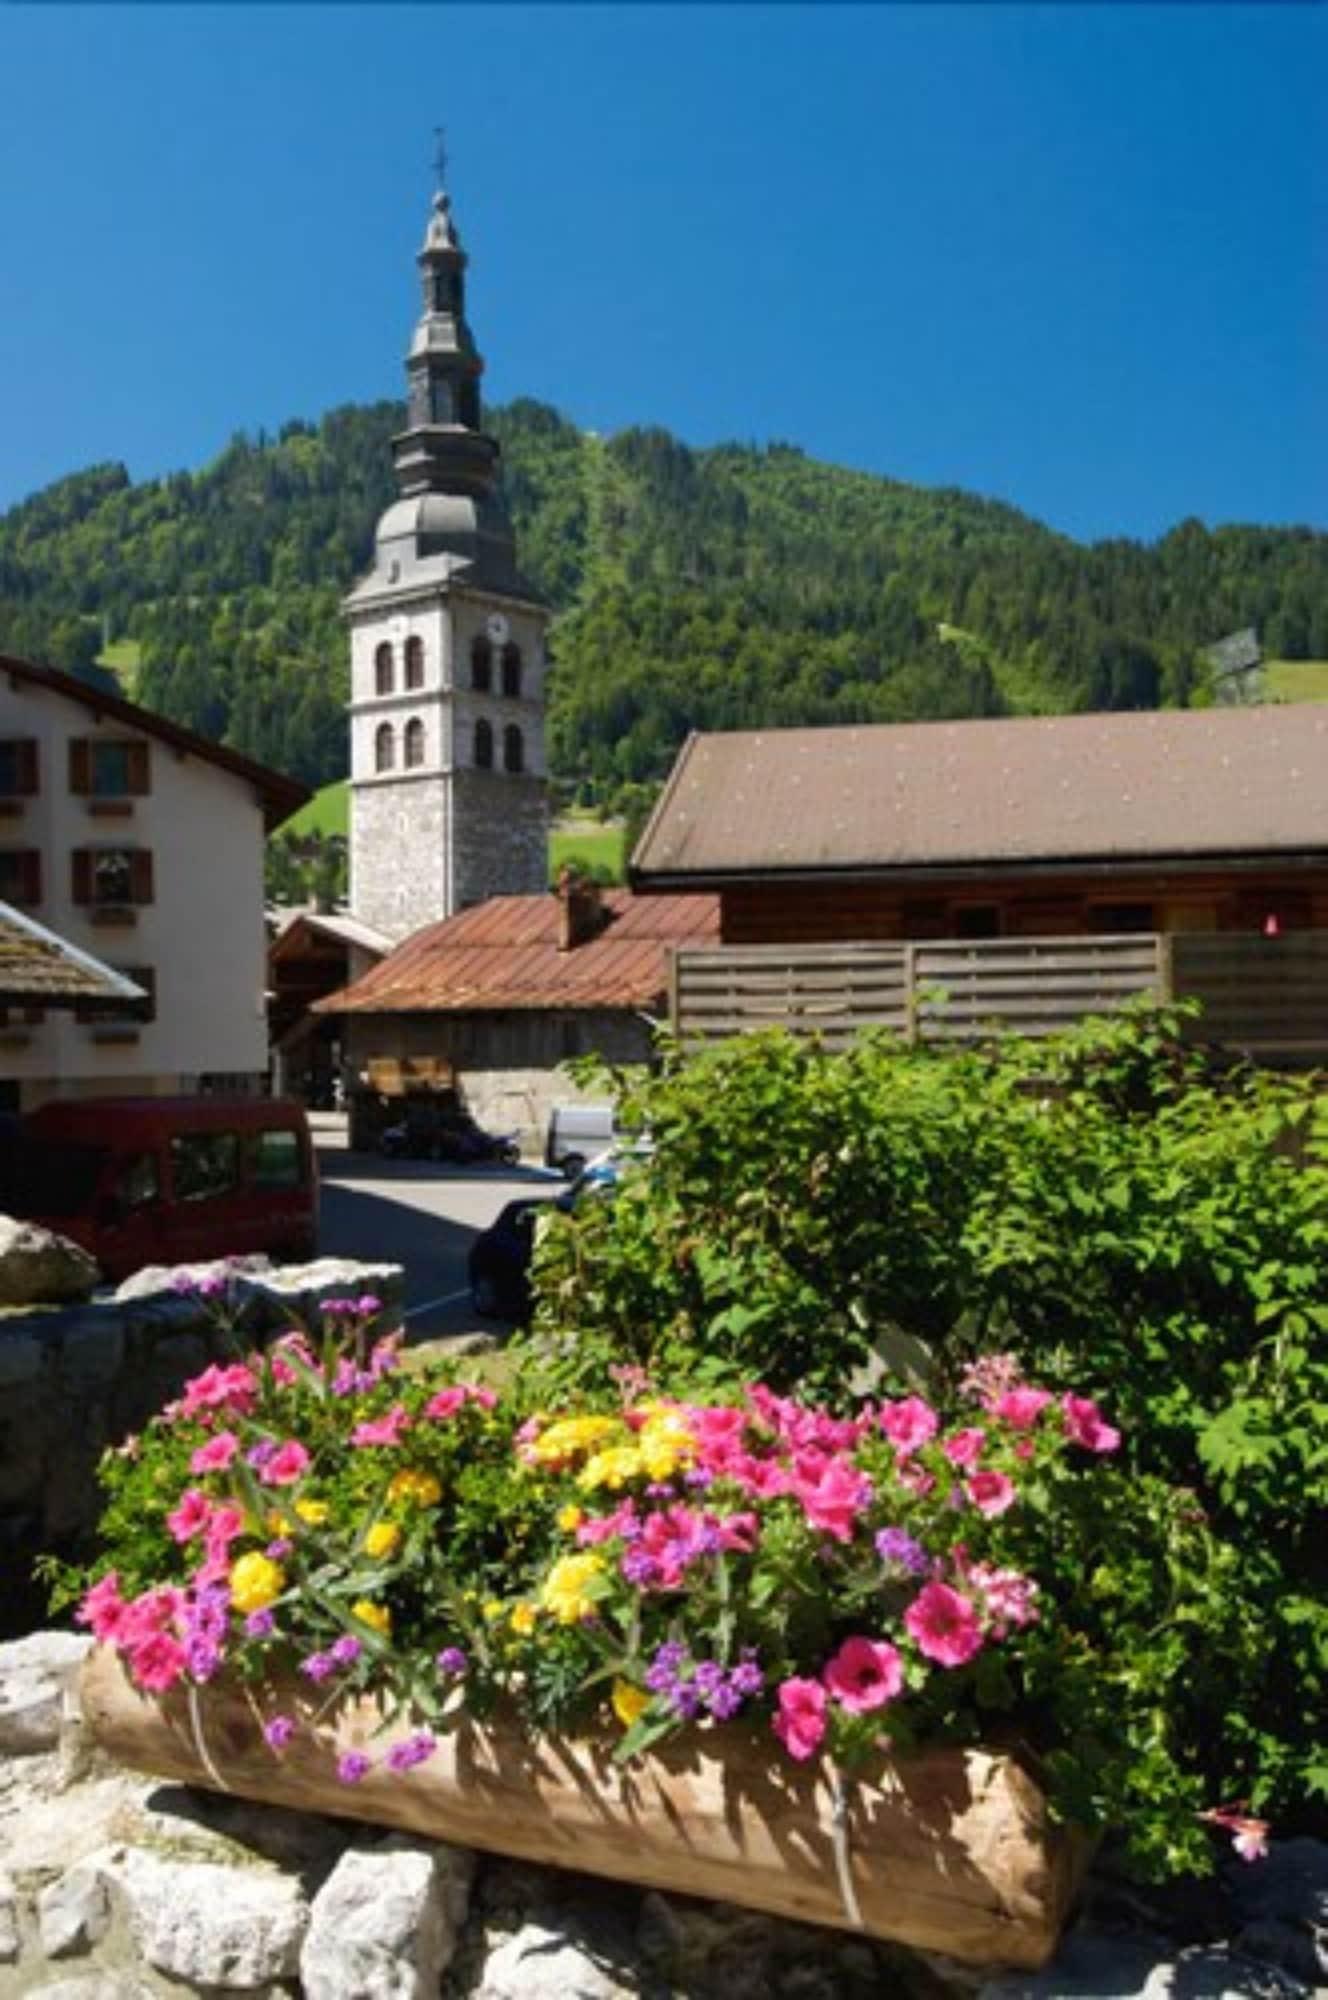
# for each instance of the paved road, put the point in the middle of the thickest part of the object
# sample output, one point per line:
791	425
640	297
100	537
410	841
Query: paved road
419	1215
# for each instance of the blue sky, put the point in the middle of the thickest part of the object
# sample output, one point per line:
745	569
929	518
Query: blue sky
1076	257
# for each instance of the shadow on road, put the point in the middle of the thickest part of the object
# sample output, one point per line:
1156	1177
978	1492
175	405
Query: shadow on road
378	1231
337	1163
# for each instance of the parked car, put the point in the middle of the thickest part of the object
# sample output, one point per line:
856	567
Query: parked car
577	1133
171	1180
499	1260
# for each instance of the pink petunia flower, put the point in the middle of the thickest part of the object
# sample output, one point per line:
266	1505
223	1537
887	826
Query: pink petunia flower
1084	1425
965	1447
991	1492
289	1462
382	1430
103	1608
1021	1408
1009	1596
445	1404
157	1663
218	1389
909	1424
864	1674
800	1723
216	1454
944	1625
191	1516
833	1502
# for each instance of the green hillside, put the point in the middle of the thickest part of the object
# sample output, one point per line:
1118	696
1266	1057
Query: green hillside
326	813
1297	680
732	587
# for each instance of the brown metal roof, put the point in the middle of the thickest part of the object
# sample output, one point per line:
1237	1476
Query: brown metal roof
504	953
1219	781
40	969
279	795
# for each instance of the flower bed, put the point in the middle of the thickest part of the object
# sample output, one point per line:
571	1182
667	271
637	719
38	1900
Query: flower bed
337	1583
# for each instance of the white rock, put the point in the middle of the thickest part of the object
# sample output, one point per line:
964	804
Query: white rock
384	1924
34	1673
96	1985
542	1964
37	1267
74	1913
9	1938
209	1925
256	1277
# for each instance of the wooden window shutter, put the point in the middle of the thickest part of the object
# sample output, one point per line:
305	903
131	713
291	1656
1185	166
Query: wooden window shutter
80	766
28	783
142	874
82	875
32	876
140	770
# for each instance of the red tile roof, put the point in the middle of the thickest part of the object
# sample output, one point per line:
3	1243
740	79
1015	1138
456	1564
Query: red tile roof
504	954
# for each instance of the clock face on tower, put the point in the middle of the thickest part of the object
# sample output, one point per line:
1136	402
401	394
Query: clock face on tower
497	628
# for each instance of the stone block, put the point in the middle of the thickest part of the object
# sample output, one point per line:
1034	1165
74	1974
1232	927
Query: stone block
10	1941
21	1356
92	1349
34	1674
37	1267
384	1924
538	1963
208	1925
74	1913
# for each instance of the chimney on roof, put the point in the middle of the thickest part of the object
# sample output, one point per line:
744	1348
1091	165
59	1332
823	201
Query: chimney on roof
581	914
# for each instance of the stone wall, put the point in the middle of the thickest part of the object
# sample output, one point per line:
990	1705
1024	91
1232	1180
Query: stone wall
120	1887
75	1379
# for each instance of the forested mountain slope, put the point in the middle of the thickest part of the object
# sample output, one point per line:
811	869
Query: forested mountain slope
721	588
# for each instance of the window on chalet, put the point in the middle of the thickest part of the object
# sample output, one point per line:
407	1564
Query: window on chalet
18	767
414	663
112	877
1106	918
414	744
514	750
20	876
481	665
385	752
383	669
129	1012
512	670
483	746
108	767
976	920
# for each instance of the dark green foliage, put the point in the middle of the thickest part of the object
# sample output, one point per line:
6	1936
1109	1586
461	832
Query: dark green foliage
1132	1222
733	587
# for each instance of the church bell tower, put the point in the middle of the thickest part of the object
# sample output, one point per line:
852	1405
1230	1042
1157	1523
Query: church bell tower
448	778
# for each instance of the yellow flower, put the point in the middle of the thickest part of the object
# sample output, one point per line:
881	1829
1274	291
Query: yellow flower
315	1512
570	1518
611	1468
278	1524
665	1443
629	1703
383	1539
256	1581
376	1616
571	1435
420	1489
491	1608
565	1592
524	1617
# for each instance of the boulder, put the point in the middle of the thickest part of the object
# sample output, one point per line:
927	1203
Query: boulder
74	1913
384	1924
9	1931
209	1925
265	1292
538	1963
34	1673
39	1268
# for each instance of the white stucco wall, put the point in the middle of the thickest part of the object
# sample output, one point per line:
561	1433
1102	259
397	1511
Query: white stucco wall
203	931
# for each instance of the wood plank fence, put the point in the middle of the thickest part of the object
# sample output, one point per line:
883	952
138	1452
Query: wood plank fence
1267	995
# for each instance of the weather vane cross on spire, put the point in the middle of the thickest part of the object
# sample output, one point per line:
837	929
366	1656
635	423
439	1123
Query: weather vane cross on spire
440	157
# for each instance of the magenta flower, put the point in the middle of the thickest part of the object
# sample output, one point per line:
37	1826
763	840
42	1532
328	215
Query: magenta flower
909	1424
260	1624
864	1674
834	1501
278	1732
943	1625
445	1404
103	1608
991	1492
288	1463
191	1516
382	1430
157	1662
352	1765
451	1661
800	1723
1084	1425
216	1454
218	1389
965	1447
1021	1408
1009	1596
416	1749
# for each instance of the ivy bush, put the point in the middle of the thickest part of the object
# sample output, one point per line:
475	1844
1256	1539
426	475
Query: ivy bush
1125	1214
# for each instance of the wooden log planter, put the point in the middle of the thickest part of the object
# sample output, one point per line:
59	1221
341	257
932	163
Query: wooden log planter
945	1850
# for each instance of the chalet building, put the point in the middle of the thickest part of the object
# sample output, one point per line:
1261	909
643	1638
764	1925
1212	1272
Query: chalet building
502	995
313	953
1212	820
141	845
448	779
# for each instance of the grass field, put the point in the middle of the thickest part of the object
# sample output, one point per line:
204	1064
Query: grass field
596	843
123	657
1297	680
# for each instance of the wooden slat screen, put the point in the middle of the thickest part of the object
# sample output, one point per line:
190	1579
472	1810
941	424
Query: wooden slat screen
1265	994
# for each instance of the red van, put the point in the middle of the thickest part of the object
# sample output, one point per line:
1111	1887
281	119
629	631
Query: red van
170	1180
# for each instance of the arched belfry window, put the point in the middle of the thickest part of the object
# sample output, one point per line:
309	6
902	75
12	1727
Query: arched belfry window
483	746
414	744
514	750
384	747
481	665
383	669
414	663
512	670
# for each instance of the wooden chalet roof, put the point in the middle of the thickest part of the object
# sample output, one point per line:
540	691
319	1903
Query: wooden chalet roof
504	954
278	795
1183	783
40	969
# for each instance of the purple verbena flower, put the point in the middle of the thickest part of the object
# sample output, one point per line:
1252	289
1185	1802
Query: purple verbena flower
278	1732
451	1661
894	1545
259	1454
346	1650
318	1666
747	1678
725	1701
280	1548
204	1658
416	1749
352	1765
638	1567
260	1624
